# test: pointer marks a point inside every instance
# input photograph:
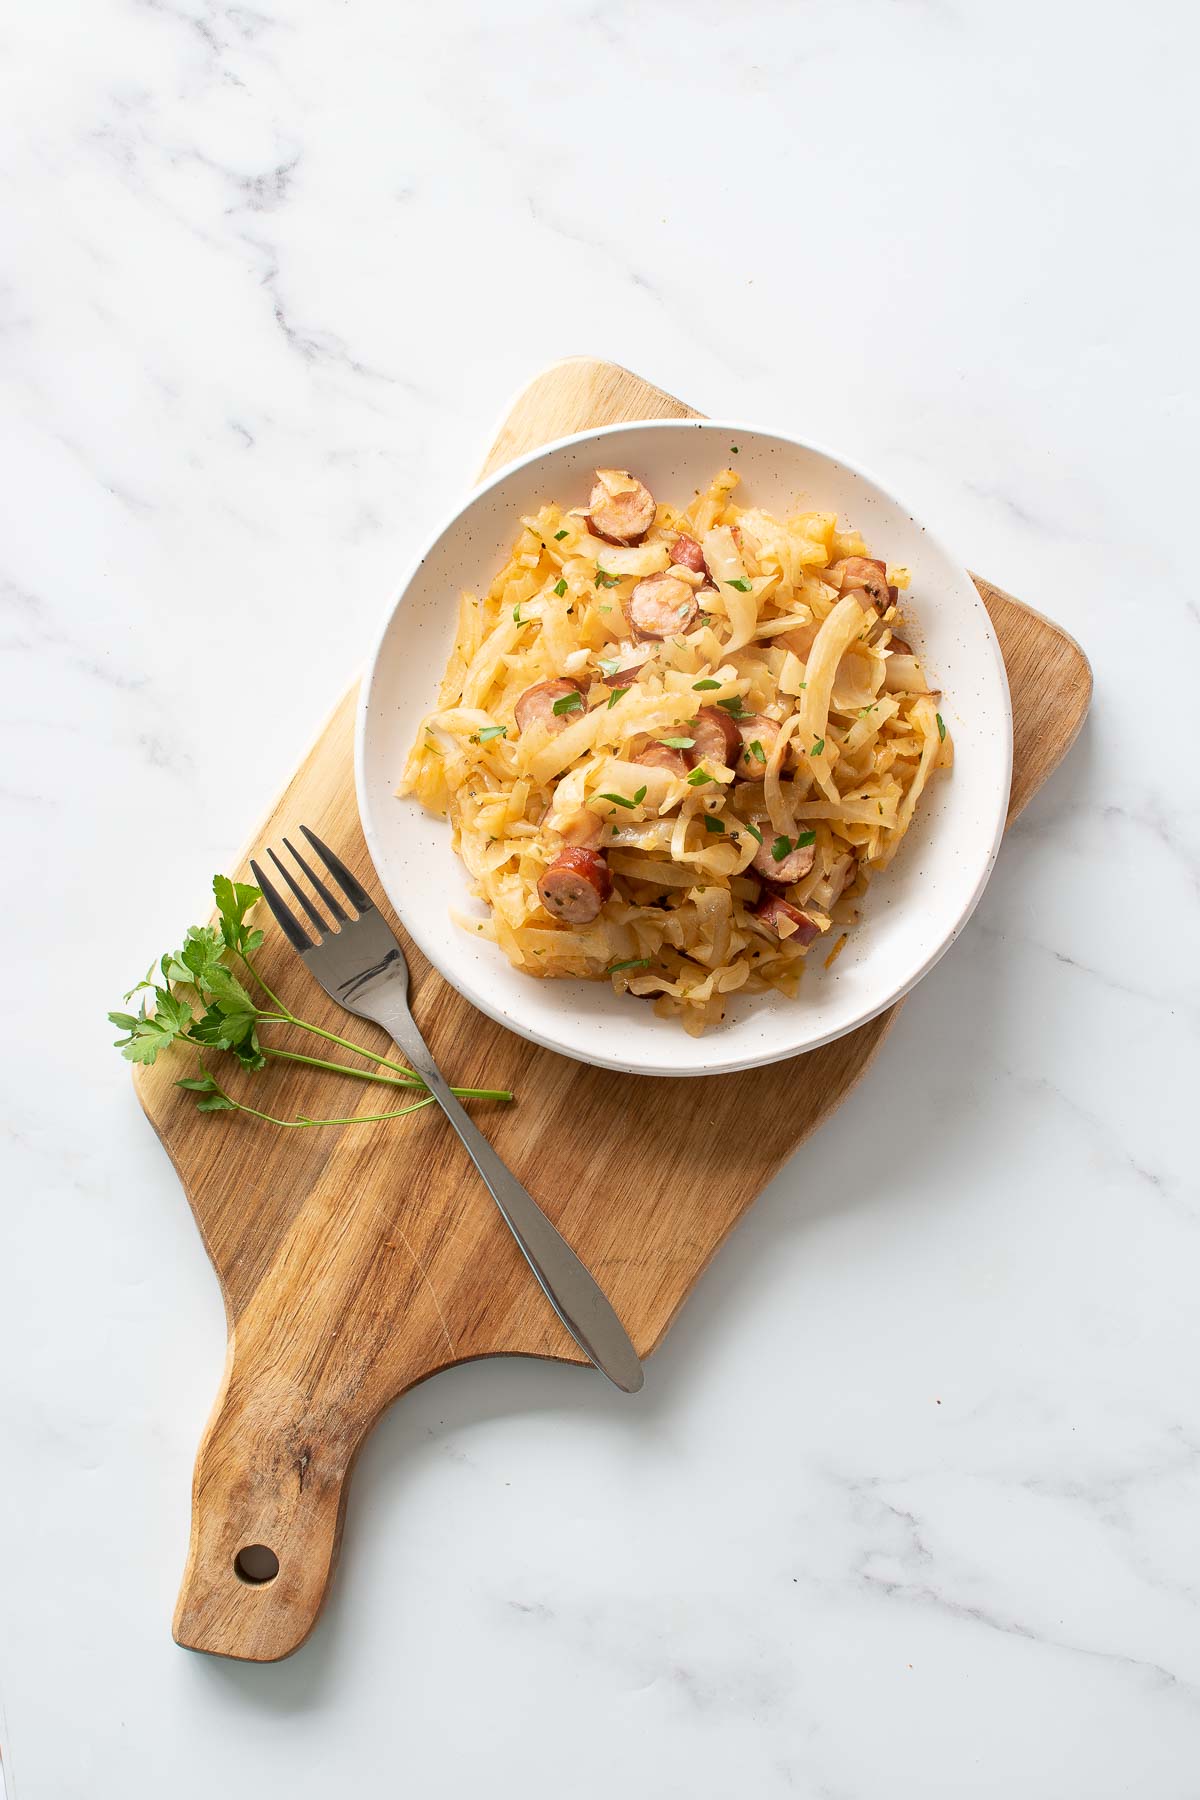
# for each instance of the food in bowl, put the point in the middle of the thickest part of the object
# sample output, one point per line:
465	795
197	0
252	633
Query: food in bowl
674	744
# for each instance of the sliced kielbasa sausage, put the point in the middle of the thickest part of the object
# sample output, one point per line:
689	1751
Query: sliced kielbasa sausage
621	678
662	756
716	735
536	705
758	734
862	574
687	552
575	886
662	606
792	864
621	507
785	920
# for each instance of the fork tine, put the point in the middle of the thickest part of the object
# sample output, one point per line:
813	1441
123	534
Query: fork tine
290	926
331	900
321	924
350	885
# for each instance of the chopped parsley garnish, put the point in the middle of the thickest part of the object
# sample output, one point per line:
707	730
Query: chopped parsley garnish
817	748
780	848
604	579
678	743
517	619
617	694
941	726
711	824
639	796
697	778
699	687
610	664
560	588
757	751
492	731
755	833
806	837
569	703
865	712
620	800
735	707
743	587
733	449
634	962
559	535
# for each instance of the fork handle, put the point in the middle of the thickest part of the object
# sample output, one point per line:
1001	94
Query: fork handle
574	1294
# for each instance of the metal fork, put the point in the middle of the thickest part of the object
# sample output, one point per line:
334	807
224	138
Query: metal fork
360	965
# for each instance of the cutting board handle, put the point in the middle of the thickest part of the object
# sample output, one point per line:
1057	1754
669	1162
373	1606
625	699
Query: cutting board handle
267	1504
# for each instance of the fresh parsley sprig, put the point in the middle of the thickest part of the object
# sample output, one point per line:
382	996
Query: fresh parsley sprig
200	1002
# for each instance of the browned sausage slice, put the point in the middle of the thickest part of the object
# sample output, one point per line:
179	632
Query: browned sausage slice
793	865
786	920
662	606
575	886
536	704
661	756
621	507
686	550
758	734
716	735
623	677
862	574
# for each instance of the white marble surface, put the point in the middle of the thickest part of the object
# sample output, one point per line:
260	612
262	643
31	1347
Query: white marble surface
910	1505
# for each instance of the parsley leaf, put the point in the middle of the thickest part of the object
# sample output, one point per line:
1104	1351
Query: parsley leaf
610	664
757	751
568	703
678	743
700	686
743	587
711	824
559	535
617	694
492	731
621	800
517	619
639	796
941	725
755	833
735	707
604	579
634	962
697	778
806	837
780	848
560	588
818	747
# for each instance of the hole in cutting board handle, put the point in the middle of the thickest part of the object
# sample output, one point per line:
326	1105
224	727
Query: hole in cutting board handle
255	1563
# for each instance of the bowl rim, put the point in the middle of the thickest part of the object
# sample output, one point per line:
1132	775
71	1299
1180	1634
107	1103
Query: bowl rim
478	997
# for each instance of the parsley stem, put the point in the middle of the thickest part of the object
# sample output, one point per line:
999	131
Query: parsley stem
337	1068
333	1038
310	1124
271	995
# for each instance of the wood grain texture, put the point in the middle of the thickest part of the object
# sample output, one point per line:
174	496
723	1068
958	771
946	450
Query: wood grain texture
356	1260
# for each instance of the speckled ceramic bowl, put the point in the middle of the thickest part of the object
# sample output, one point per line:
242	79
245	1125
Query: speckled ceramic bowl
912	913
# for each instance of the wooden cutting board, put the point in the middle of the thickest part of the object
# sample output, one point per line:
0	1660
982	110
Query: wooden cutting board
356	1260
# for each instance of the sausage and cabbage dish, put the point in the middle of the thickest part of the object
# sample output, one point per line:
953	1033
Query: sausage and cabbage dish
674	744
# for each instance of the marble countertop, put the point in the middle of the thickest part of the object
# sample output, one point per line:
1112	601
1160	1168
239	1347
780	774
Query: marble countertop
910	1504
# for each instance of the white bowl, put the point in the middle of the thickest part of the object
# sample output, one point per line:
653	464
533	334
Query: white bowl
913	911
